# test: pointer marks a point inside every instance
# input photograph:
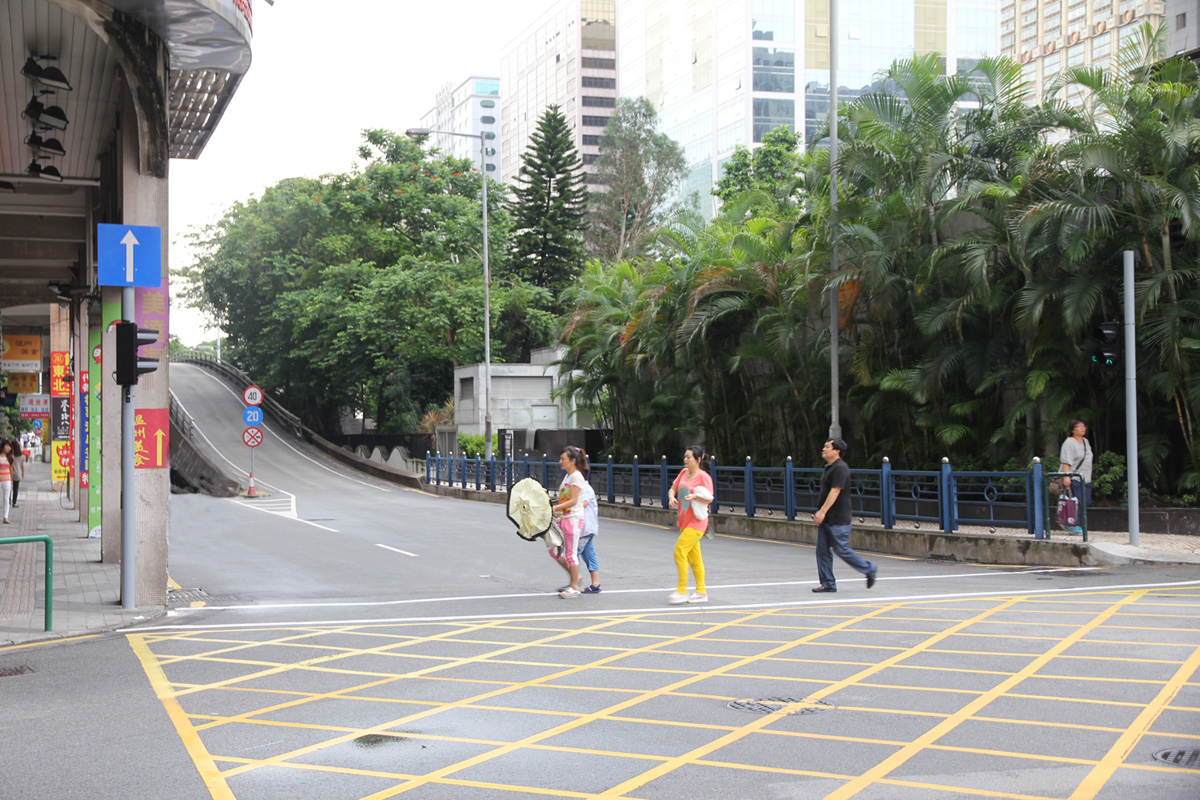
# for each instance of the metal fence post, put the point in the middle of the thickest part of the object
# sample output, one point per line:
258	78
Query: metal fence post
478	475
887	496
462	476
712	470
749	487
1037	525
438	463
944	500
789	489
545	472
662	477
611	492
428	466
637	484
527	465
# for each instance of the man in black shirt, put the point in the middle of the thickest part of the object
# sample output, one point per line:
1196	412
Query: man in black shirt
833	520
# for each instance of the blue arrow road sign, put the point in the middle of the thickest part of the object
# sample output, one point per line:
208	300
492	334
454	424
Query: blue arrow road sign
252	415
129	255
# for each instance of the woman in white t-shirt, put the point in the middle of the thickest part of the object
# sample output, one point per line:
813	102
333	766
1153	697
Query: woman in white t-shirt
571	521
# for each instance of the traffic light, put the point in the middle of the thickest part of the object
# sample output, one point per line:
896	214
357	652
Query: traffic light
1109	353
129	364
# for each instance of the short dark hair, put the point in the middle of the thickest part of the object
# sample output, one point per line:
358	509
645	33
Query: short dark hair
839	445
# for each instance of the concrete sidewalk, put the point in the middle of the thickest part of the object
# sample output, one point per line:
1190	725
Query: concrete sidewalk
86	592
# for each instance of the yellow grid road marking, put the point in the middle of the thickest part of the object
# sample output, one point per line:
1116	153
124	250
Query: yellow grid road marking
837	619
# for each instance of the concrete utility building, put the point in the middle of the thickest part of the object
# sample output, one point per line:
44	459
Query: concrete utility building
98	96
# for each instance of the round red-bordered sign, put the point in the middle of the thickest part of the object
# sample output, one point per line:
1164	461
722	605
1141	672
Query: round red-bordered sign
252	437
252	395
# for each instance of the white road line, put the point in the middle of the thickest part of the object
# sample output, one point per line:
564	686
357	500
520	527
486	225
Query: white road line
397	550
284	441
290	514
657	590
658	610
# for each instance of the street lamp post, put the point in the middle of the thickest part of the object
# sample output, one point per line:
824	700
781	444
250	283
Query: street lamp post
417	133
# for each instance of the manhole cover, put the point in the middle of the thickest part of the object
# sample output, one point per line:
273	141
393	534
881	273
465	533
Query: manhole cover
8	672
786	705
185	597
1186	757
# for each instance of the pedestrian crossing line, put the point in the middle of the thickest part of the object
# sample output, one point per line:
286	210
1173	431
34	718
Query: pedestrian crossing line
555	656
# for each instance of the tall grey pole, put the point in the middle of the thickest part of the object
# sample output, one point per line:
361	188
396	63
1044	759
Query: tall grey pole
487	309
835	424
1131	436
128	473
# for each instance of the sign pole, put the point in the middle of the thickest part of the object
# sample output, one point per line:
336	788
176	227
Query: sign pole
250	491
128	495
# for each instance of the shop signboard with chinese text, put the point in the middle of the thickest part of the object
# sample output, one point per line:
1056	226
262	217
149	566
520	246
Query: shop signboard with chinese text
151	438
20	353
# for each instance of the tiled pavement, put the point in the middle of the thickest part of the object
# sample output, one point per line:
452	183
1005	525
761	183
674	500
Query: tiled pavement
87	592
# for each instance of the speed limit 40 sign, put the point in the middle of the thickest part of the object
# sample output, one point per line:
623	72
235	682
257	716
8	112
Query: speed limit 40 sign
252	395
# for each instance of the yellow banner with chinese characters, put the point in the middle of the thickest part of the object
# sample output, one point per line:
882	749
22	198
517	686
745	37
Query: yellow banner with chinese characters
60	461
22	383
20	353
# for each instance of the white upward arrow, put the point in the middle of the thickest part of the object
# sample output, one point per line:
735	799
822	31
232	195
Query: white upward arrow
129	240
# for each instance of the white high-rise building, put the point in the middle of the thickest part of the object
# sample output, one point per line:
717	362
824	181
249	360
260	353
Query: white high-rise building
472	108
566	57
1183	26
723	73
1049	36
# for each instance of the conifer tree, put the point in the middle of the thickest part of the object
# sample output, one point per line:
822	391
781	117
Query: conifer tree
548	207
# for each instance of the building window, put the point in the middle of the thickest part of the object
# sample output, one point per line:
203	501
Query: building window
769	114
774	70
594	122
593	140
1052	10
466	389
487	87
595	180
599	83
487	103
590	158
773	20
487	120
1101	47
1075	55
600	102
599	63
1180	21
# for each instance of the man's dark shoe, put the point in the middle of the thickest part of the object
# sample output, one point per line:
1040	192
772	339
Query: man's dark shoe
825	589
871	578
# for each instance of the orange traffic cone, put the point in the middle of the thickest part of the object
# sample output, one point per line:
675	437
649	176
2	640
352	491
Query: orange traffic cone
250	492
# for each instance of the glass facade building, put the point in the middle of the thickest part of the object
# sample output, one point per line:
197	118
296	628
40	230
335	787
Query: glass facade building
472	107
726	72
567	57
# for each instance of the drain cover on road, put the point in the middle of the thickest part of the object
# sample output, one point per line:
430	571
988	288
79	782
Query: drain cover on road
1186	757
8	672
785	705
186	597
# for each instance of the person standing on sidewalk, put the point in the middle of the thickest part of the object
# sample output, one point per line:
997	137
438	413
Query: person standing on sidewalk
18	468
7	462
1076	456
833	520
696	486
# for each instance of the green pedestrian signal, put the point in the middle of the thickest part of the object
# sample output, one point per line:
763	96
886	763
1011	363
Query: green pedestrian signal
1108	355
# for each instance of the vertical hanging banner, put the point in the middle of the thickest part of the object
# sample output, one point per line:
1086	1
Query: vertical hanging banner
93	440
60	416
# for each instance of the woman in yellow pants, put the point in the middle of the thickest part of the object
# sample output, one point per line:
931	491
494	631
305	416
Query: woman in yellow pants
695	485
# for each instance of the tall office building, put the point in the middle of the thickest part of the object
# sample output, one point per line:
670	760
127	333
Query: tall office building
1048	36
472	108
567	57
723	73
1183	26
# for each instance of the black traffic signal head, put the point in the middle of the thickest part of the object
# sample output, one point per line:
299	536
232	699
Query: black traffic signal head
1109	353
129	337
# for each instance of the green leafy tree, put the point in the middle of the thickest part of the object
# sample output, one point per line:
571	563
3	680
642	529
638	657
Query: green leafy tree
772	168
639	169
547	207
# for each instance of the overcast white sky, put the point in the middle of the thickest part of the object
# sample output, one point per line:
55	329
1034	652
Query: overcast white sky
322	73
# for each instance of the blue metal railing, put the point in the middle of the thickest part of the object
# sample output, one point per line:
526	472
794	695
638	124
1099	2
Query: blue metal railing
943	497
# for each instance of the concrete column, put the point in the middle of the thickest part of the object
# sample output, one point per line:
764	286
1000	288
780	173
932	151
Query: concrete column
143	201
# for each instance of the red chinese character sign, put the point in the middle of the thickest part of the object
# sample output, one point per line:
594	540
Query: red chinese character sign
60	369
151	438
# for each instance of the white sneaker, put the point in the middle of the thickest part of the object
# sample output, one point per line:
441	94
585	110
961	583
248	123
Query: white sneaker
698	598
676	598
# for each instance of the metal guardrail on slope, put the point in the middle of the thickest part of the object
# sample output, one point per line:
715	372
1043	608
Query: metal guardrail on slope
269	404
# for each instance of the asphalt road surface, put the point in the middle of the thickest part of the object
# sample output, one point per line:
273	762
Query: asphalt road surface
344	638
